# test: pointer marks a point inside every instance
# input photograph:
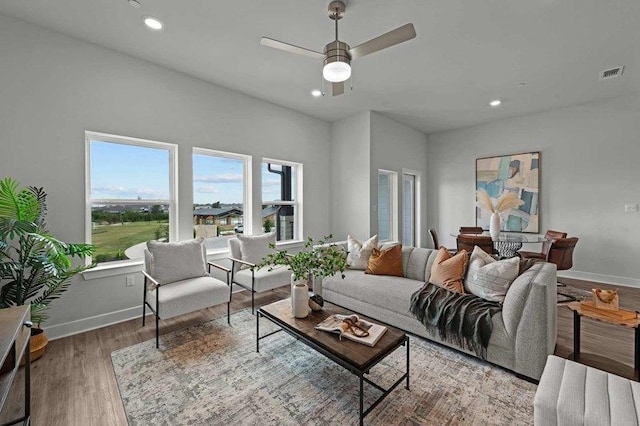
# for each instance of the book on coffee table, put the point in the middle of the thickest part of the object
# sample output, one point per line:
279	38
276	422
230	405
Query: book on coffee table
353	328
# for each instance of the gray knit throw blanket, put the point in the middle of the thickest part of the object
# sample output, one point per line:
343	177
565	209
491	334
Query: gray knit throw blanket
461	319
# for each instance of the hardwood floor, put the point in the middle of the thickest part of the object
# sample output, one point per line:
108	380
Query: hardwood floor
74	383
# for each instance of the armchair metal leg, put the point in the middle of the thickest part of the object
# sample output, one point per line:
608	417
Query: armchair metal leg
253	292
157	318
229	312
144	300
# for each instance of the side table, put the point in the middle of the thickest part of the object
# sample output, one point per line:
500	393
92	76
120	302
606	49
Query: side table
14	343
631	323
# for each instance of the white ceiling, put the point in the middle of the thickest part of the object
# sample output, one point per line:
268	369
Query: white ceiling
466	52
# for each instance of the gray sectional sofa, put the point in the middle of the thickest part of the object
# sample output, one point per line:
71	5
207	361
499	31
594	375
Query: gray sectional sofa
524	333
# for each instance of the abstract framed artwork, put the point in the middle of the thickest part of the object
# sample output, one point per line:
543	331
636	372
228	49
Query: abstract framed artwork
517	173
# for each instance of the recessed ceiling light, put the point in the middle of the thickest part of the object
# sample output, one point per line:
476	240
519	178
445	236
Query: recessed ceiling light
495	103
134	3
316	93
153	23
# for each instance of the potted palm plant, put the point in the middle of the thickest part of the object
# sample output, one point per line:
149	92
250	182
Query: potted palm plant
35	266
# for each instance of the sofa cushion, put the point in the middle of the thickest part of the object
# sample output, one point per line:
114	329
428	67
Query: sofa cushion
181	297
414	262
385	291
171	262
265	279
386	262
489	278
448	271
358	256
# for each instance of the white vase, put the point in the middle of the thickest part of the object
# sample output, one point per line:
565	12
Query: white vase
494	225
300	299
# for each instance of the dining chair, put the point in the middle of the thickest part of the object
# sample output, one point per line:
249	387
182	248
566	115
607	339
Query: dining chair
434	238
549	237
471	230
561	252
436	241
468	242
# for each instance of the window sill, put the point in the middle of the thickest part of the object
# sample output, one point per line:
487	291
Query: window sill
113	269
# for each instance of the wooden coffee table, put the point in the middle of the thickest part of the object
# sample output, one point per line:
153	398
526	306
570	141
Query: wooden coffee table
355	357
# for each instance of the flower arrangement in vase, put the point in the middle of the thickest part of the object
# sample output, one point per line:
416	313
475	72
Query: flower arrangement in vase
317	259
504	203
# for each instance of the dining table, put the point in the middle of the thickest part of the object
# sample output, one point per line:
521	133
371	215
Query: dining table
508	243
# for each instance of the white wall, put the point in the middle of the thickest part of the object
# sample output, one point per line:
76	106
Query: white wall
349	175
395	147
53	88
589	171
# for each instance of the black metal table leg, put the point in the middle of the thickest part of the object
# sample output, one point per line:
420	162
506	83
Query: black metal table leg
27	383
576	336
636	354
407	343
361	400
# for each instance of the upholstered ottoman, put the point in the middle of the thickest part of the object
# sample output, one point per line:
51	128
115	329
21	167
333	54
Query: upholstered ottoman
574	394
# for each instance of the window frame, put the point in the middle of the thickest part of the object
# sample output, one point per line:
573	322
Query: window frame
297	203
417	177
247	197
173	186
393	203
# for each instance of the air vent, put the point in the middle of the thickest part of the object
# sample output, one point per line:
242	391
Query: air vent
612	73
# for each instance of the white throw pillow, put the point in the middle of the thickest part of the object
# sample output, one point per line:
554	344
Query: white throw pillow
489	278
171	262
359	253
254	248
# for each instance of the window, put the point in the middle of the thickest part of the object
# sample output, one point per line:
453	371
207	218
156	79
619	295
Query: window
387	205
410	208
130	195
220	196
282	199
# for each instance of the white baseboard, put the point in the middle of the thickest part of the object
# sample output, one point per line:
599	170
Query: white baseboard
601	278
58	331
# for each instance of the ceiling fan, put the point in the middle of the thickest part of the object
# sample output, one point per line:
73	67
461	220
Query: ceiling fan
337	55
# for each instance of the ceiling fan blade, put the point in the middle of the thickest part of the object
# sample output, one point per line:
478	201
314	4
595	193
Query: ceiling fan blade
337	88
393	37
266	41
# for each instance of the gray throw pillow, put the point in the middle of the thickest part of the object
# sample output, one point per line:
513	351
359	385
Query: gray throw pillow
171	262
489	278
254	248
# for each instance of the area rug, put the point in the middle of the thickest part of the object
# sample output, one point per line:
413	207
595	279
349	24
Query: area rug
210	374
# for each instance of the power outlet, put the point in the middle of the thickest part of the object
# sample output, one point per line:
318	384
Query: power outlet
130	280
630	207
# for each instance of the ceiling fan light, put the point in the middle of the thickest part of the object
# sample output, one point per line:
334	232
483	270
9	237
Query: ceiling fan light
336	72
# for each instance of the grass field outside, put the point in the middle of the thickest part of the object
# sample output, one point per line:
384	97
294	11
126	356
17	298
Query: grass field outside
113	240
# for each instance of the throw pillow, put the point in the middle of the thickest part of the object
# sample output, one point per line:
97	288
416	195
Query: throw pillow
254	248
489	278
448	271
171	262
386	262
358	256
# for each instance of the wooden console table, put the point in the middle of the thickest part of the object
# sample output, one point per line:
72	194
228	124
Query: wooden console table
631	323
14	344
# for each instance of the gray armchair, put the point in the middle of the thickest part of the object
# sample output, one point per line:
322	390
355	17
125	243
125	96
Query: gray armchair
246	253
177	281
